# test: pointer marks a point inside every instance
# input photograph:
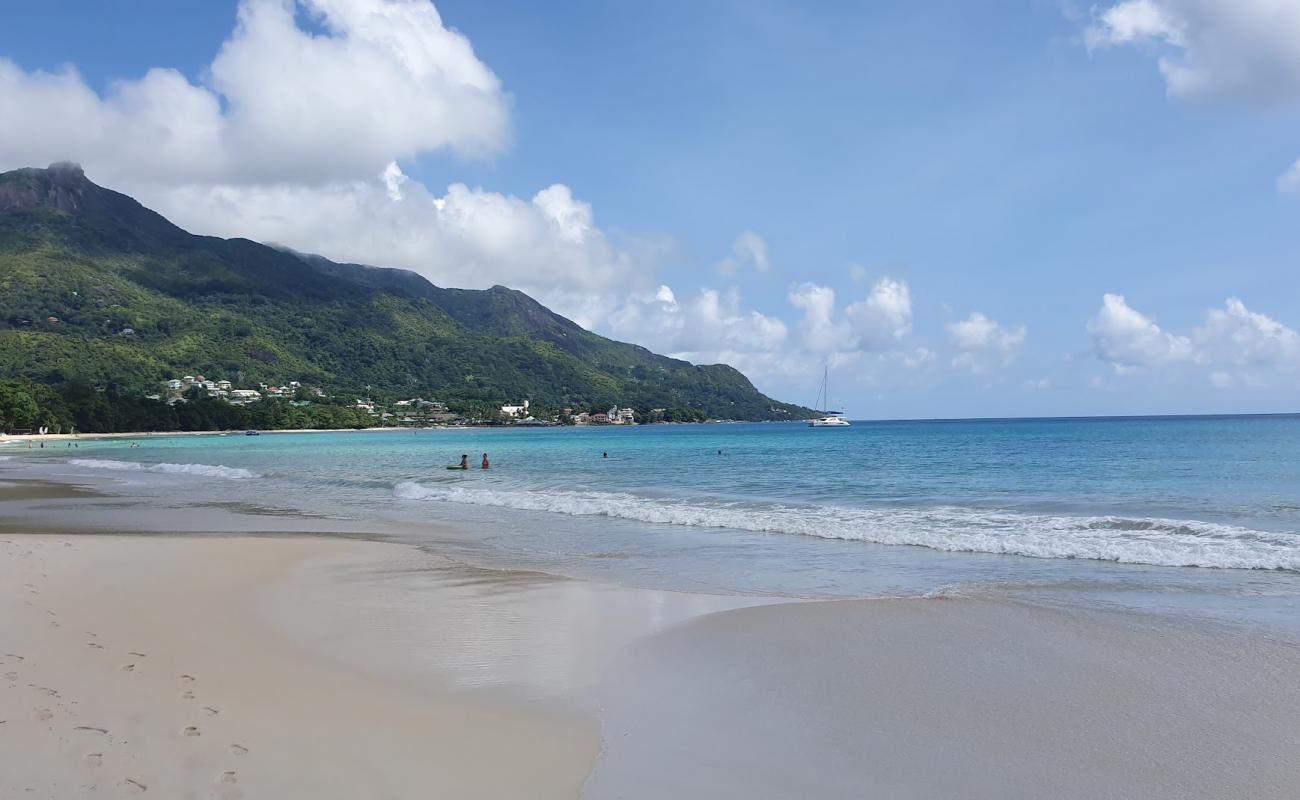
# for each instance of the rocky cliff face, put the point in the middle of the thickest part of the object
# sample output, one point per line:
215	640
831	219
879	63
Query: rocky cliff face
62	187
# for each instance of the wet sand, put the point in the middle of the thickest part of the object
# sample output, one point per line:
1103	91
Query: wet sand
951	698
281	664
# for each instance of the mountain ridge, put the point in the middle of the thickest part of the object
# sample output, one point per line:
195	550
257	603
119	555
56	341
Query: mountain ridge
99	289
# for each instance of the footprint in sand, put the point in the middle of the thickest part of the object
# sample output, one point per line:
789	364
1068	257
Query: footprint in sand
92	729
127	667
45	690
190	730
228	777
210	711
11	676
238	750
44	714
188	678
187	695
14	657
135	786
137	655
95	645
93	759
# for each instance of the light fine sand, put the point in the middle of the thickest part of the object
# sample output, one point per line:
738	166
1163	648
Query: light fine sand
139	665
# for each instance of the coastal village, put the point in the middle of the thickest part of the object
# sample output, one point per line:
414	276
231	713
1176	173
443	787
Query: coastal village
412	412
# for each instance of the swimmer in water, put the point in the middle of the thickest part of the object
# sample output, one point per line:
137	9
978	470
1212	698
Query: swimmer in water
604	455
464	461
486	465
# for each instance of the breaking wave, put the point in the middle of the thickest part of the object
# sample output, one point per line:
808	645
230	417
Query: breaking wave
204	470
1160	542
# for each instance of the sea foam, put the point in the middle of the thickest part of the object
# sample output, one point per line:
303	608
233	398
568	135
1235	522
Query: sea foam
204	470
1155	541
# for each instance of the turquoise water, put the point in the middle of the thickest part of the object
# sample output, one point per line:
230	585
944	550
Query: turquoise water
1102	507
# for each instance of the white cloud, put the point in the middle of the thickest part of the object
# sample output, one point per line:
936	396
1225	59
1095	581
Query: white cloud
1238	337
1211	49
1128	340
1289	181
876	322
385	81
548	245
706	324
982	340
823	331
748	250
1237	345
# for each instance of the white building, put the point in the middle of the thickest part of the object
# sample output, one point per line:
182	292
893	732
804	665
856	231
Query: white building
244	396
174	385
515	411
621	416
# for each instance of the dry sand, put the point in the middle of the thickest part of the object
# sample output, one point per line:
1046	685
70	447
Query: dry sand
134	664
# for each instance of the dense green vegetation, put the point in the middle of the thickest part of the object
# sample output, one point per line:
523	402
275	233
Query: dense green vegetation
100	293
26	406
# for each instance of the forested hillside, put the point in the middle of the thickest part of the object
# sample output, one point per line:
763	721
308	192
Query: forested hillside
99	291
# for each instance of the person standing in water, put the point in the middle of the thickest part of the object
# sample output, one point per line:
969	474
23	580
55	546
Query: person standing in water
464	461
486	465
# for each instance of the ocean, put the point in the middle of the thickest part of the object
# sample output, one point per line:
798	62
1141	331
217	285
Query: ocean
1196	515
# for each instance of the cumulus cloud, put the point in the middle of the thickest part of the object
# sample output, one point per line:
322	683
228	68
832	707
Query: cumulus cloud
883	317
1211	49
823	329
1236	336
384	81
1129	340
748	250
708	323
877	321
548	245
1237	345
982	341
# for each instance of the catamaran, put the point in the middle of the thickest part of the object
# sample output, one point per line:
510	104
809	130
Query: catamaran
828	419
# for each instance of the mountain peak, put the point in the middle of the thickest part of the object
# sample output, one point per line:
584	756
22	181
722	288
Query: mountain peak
62	186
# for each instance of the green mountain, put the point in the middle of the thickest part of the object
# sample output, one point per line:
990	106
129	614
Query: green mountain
100	291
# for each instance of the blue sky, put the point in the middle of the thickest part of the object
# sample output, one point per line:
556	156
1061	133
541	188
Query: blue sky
774	184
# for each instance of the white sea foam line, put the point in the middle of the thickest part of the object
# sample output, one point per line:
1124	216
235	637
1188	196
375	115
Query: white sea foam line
1160	542
205	470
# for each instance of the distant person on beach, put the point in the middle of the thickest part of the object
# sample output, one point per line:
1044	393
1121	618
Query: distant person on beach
486	465
464	461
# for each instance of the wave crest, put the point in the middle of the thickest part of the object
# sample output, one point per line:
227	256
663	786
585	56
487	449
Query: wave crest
204	470
1159	542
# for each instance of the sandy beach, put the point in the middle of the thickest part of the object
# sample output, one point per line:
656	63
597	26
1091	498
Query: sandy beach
139	664
281	664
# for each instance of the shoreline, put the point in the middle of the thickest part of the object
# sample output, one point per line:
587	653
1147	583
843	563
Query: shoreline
339	667
6	438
